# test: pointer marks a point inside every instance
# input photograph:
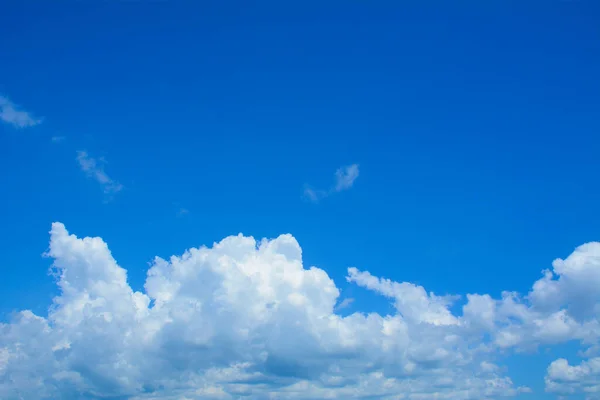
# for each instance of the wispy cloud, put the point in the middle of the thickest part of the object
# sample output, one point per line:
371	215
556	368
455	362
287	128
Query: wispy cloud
182	211
11	114
57	139
344	180
347	302
345	177
94	169
314	195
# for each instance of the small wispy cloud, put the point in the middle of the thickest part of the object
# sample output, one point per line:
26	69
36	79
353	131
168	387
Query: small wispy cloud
11	114
314	195
180	210
57	139
94	169
345	177
344	180
347	302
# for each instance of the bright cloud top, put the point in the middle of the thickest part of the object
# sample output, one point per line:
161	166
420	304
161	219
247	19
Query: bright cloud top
11	114
247	319
95	170
344	180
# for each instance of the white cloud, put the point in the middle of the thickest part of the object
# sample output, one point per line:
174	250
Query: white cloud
58	139
344	179
412	301
313	194
11	114
347	302
248	319
562	378
95	170
572	283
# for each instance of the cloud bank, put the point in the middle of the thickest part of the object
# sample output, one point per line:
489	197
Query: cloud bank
246	319
344	180
11	114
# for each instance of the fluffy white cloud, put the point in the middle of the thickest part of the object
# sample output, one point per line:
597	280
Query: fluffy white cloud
11	114
564	379
573	283
247	319
95	170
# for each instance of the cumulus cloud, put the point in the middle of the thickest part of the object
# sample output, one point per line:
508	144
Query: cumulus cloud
564	379
13	115
94	169
245	318
344	180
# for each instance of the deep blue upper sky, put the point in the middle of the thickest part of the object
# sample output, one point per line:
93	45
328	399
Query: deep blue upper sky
475	125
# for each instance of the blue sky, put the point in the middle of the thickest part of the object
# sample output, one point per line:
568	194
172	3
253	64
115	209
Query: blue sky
450	146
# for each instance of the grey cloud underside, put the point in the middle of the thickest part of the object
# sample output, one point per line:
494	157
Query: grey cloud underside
247	319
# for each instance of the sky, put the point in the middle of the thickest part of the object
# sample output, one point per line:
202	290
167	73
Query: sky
352	200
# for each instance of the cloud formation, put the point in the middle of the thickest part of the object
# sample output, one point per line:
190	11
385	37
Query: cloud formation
11	114
95	170
344	179
246	319
565	379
